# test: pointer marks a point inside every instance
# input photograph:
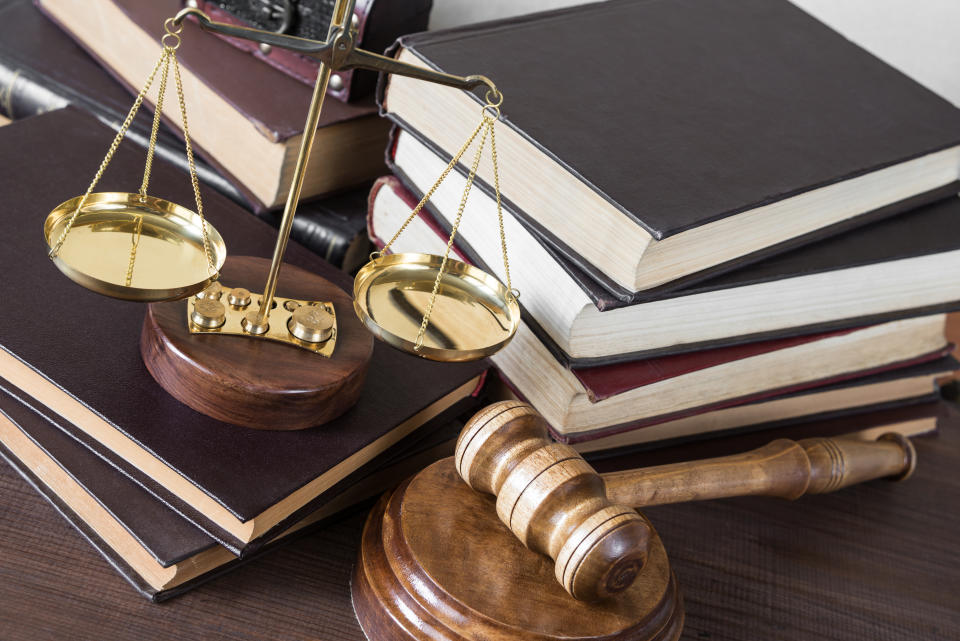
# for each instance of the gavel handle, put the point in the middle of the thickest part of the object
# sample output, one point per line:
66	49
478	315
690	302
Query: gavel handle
784	468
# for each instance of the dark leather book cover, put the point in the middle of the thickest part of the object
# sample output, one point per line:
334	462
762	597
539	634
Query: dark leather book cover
167	536
38	46
377	24
743	440
162	533
913	233
607	294
88	345
109	555
683	112
41	69
406	447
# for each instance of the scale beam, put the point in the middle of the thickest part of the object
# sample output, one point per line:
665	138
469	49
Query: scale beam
338	53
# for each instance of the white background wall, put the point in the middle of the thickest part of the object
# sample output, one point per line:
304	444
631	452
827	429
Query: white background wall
919	37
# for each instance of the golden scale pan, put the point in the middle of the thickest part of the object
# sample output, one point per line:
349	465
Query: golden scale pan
474	315
141	250
134	246
137	247
437	307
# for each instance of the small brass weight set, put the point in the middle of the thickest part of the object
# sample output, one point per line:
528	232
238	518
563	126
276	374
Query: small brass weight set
137	247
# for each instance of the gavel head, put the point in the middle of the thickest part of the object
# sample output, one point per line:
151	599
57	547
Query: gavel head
552	500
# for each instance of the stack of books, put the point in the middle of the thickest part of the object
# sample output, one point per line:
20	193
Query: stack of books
739	220
172	497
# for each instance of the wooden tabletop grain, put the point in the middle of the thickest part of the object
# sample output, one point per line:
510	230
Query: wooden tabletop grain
879	561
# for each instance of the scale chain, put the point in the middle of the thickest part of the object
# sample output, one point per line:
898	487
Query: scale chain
453	234
193	168
168	54
426	197
489	116
157	110
496	189
134	244
106	161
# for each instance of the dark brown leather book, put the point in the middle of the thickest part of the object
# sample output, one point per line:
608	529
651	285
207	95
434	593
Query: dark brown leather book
333	227
245	117
80	355
657	139
195	516
151	545
890	269
377	24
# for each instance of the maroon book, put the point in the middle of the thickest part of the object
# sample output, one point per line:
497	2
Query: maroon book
377	23
609	380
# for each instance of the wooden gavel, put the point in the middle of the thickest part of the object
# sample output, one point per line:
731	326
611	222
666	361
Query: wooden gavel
558	505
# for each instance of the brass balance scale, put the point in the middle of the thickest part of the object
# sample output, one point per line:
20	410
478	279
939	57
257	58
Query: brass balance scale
136	247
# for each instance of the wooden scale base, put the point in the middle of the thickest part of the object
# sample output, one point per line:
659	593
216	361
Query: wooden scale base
254	382
436	563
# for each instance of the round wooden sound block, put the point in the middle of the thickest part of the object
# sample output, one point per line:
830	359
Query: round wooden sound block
436	563
256	382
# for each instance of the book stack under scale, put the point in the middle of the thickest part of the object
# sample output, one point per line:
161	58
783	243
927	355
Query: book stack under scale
701	243
170	496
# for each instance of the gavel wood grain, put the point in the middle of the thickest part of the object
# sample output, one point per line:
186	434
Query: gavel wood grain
556	504
436	564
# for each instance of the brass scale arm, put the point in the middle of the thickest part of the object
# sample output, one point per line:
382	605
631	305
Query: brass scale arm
337	53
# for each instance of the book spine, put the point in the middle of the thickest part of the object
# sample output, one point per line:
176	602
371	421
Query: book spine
580	437
335	239
21	95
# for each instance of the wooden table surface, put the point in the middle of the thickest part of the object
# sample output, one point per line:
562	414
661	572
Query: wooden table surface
879	561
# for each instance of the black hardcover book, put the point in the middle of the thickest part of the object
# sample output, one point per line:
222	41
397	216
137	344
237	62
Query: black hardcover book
334	228
658	139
